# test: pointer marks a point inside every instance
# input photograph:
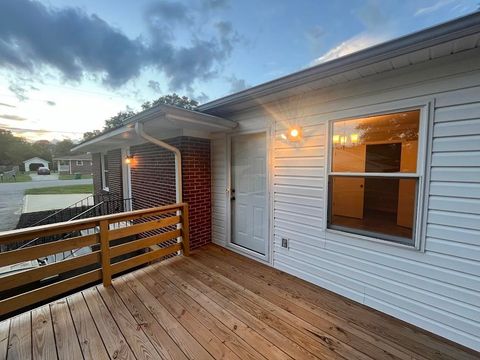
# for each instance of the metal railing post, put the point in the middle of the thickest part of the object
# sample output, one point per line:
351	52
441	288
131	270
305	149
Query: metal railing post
105	253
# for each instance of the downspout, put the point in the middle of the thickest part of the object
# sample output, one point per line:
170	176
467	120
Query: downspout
178	159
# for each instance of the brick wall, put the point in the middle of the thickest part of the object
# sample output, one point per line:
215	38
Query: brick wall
197	188
153	181
114	167
152	176
97	173
86	168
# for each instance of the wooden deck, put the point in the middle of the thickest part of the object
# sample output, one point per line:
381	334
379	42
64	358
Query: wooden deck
214	305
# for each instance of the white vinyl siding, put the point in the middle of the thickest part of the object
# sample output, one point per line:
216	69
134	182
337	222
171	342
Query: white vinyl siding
437	289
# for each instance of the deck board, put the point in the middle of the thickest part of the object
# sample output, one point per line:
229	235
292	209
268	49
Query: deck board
43	340
20	338
68	347
214	305
4	331
90	341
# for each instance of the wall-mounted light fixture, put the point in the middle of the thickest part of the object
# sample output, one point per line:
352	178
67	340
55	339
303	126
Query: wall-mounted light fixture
294	133
129	159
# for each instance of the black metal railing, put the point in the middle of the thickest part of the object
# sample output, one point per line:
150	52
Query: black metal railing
113	203
91	206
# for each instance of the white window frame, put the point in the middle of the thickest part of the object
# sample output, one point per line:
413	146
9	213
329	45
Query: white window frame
423	158
79	162
103	171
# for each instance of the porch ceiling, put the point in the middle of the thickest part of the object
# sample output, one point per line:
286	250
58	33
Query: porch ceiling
161	122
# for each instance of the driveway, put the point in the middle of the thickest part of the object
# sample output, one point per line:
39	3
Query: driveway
11	198
50	177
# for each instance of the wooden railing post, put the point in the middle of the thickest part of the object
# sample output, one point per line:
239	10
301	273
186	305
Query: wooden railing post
105	253
185	231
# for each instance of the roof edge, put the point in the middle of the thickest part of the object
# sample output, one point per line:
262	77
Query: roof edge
431	36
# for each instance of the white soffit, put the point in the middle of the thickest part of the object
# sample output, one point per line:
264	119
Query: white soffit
162	122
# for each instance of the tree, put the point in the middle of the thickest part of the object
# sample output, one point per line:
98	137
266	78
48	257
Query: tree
91	134
173	99
43	149
118	120
14	149
63	147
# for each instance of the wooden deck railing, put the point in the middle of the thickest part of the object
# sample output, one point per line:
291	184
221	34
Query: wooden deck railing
119	242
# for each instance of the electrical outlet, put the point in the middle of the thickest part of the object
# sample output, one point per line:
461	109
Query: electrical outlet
285	243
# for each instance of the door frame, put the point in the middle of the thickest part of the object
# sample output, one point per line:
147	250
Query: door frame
267	258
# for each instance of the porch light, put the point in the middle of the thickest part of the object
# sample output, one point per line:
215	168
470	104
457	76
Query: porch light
336	139
294	134
128	159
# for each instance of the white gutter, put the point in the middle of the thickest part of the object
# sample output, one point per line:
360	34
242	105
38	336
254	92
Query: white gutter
178	159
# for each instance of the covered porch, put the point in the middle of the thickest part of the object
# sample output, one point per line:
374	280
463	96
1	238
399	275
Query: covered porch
214	304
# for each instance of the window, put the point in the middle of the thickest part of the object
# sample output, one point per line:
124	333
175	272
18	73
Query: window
79	162
373	179
104	170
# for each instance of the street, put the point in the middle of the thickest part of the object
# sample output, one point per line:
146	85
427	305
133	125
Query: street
11	198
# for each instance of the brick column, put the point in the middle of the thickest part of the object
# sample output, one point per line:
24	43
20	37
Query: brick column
153	181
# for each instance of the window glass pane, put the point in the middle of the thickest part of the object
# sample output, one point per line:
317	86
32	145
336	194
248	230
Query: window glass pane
383	143
373	206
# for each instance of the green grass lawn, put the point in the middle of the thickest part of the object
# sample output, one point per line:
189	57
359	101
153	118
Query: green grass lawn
70	189
72	176
20	178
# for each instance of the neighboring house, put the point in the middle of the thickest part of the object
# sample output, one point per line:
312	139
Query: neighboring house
74	164
361	174
34	163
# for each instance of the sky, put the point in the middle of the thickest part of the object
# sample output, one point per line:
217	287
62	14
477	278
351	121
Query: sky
67	65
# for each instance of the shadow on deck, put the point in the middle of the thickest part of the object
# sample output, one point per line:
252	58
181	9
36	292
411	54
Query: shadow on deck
214	304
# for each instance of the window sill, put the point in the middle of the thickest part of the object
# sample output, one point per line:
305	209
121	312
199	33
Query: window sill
415	247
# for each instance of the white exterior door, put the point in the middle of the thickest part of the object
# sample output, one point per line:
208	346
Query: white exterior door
248	197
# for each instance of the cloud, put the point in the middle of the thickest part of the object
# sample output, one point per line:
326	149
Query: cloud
35	131
169	11
155	86
19	91
236	84
7	105
436	6
202	98
51	103
215	4
373	15
12	117
35	36
354	44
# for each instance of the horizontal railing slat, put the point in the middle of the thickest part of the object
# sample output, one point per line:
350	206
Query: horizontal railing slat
143	227
47	292
159	211
144	258
43	272
143	243
55	247
80	224
103	257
